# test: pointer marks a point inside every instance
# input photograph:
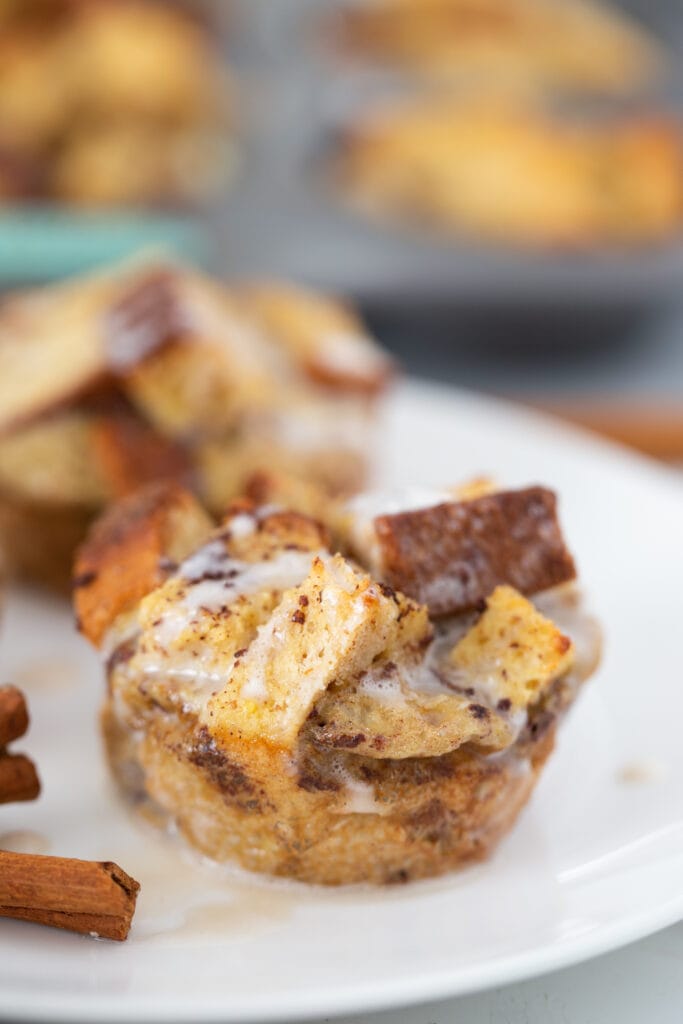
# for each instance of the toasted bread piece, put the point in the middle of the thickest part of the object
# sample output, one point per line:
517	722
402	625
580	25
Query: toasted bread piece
50	352
453	555
331	626
200	622
130	454
386	715
205	362
324	337
60	342
145	314
131	550
515	649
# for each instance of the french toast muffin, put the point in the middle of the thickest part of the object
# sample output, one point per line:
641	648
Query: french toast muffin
119	102
276	694
513	172
153	371
572	44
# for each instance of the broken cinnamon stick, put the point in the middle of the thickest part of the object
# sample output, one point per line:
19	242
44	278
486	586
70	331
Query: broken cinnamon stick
13	715
18	776
18	779
90	897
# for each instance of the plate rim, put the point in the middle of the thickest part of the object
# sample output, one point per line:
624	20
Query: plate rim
369	998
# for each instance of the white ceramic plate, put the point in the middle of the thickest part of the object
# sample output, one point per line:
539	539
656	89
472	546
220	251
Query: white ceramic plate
596	860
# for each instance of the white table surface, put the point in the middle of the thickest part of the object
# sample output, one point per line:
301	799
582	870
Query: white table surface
640	984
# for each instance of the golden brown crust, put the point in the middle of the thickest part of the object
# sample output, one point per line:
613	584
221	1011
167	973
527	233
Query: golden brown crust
130	454
415	818
131	550
38	539
452	556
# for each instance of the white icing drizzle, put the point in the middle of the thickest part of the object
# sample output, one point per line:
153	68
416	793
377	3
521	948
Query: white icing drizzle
242	525
212	582
350	354
358	796
270	635
364	509
371	504
237	579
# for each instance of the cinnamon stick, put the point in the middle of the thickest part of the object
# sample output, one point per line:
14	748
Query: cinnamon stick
18	779
90	897
18	776
13	715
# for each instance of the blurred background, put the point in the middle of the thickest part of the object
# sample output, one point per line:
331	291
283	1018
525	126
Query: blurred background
497	183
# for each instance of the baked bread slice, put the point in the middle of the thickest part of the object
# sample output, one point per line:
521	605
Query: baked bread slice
153	371
293	712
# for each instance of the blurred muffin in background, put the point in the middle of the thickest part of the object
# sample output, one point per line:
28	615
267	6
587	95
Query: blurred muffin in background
513	172
566	43
111	103
154	372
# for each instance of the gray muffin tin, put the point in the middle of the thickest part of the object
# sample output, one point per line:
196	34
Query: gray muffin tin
281	217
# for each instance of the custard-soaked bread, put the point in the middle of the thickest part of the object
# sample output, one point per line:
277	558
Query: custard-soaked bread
331	626
152	371
296	713
515	648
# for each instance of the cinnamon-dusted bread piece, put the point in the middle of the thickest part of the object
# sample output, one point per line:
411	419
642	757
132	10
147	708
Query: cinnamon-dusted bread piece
292	712
131	550
452	554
